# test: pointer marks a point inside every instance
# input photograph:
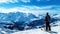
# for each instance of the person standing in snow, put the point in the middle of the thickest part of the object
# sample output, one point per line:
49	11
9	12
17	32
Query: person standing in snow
47	20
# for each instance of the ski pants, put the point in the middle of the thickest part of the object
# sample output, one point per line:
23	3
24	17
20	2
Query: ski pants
48	28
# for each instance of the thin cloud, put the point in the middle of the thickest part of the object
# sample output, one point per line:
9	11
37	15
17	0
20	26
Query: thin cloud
29	9
25	1
43	0
8	1
13	1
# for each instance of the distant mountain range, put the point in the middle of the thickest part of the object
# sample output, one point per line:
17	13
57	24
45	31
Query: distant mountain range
30	19
16	17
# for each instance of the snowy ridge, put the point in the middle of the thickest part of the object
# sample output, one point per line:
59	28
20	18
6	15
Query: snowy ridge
55	30
18	16
57	16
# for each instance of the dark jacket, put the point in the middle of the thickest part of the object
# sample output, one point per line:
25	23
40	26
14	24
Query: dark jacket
47	18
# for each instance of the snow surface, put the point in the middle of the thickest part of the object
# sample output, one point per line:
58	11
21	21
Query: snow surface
55	30
35	31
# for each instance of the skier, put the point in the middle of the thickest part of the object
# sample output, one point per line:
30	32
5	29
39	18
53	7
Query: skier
47	20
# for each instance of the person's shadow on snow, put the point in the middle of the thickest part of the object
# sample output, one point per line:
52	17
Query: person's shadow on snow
53	32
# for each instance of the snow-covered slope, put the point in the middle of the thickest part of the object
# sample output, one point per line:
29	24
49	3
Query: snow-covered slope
55	30
33	31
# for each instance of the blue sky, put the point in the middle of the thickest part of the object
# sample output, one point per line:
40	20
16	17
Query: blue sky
18	3
30	6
